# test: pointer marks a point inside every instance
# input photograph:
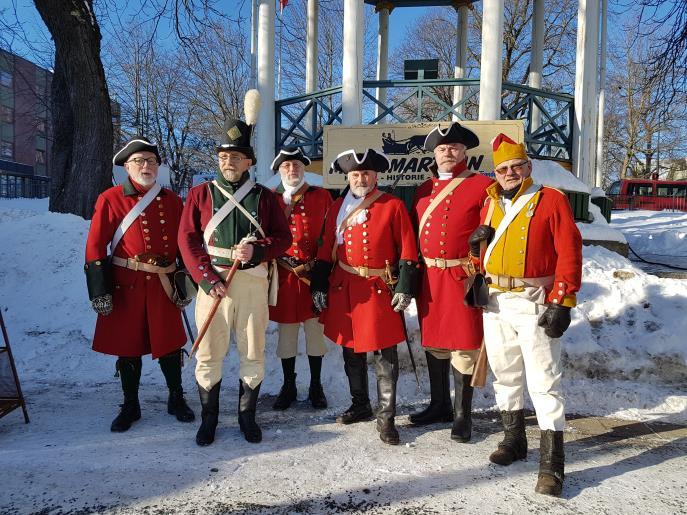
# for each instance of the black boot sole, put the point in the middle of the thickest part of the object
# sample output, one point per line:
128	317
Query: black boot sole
441	419
359	418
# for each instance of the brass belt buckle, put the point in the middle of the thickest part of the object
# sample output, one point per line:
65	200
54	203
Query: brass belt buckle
363	271
440	263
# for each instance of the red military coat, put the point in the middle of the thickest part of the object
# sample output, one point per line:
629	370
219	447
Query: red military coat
294	303
143	319
542	241
445	321
359	313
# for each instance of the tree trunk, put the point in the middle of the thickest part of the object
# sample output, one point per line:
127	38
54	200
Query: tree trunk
81	113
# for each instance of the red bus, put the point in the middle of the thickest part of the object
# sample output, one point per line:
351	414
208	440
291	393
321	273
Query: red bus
648	194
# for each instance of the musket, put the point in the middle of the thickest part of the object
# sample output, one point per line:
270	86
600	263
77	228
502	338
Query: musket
213	309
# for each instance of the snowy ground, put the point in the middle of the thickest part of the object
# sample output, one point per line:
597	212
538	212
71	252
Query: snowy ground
625	357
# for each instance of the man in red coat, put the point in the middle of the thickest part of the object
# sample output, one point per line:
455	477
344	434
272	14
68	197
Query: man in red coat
138	311
225	220
534	265
363	280
446	211
305	207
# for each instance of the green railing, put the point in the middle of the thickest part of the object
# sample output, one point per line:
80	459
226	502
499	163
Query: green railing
299	120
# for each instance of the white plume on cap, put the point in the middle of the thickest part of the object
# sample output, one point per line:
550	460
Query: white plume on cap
251	106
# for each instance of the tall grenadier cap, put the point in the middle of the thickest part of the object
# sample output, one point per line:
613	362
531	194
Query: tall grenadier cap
505	149
351	161
135	144
454	133
237	133
290	154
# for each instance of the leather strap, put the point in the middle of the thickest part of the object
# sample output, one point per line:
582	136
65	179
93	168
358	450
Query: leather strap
510	216
443	264
299	270
363	206
442	195
227	208
232	198
131	216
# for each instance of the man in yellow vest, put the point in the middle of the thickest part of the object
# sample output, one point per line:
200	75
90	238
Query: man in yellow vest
534	265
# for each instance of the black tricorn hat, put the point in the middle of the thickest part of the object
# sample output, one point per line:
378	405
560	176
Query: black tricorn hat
290	154
236	137
135	144
455	133
351	161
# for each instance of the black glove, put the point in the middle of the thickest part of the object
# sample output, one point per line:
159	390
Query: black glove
482	233
555	320
319	276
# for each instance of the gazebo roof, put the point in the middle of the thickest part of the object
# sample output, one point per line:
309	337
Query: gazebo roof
419	3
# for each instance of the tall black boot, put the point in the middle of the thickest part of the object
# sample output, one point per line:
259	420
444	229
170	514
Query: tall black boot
440	408
355	366
462	407
514	444
386	369
129	370
248	400
170	364
551	464
315	392
209	415
288	392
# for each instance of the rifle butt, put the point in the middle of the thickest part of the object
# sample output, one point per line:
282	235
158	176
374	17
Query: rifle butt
479	375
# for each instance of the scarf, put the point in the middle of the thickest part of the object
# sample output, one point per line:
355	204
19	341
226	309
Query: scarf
290	190
349	204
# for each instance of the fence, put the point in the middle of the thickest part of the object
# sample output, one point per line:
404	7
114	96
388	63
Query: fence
16	185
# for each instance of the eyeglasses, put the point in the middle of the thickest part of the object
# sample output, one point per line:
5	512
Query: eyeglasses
140	162
233	159
516	168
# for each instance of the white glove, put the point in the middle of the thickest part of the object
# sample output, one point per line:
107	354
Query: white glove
102	305
400	301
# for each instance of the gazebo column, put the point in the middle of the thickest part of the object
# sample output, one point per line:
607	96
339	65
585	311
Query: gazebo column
586	101
310	121
491	63
352	81
461	58
264	142
384	9
602	100
537	58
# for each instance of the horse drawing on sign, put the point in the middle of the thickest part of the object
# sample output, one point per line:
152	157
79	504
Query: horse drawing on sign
411	145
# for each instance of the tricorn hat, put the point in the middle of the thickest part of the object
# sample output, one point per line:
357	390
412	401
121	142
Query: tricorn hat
290	154
236	137
135	144
351	161
454	133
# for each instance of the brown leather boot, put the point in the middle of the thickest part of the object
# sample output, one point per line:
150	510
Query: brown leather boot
514	444
551	464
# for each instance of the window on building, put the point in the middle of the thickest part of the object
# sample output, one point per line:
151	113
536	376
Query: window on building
6	149
6	114
40	157
6	78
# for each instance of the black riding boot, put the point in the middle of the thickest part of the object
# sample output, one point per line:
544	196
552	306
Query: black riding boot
209	415
288	392
170	364
248	400
440	408
386	369
462	407
355	366
315	392
551	463
514	444
129	370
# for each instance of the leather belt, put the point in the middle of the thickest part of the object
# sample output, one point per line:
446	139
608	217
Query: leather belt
443	264
507	282
139	266
222	252
363	271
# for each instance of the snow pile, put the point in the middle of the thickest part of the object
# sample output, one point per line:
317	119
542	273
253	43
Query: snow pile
653	232
627	331
550	173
